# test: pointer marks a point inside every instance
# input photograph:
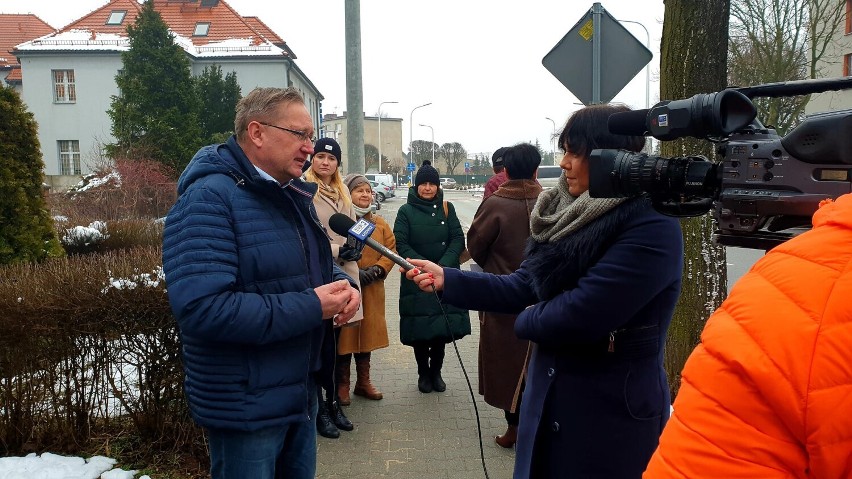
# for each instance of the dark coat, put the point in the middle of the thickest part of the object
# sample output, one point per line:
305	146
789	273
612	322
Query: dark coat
423	232
601	301
241	286
496	241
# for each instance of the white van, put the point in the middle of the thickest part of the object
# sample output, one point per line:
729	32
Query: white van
548	175
385	180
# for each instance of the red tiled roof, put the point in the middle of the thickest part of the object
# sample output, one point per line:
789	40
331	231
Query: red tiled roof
96	20
14	75
16	29
182	16
264	30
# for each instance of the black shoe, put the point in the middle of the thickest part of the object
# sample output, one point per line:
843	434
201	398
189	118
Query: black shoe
325	425
438	384
424	383
340	419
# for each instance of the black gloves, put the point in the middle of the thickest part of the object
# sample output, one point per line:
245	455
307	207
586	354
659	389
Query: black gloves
348	253
370	274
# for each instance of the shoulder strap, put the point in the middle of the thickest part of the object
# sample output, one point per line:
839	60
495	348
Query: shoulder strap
446	211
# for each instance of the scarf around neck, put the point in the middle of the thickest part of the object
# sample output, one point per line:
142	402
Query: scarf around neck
360	212
328	192
557	213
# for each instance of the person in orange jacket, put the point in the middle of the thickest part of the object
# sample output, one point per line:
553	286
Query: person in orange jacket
768	392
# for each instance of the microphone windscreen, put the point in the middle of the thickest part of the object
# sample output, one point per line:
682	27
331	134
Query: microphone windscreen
628	123
340	223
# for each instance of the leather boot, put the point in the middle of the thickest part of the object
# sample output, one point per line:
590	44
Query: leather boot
509	438
424	379
344	369
325	424
340	420
363	386
436	360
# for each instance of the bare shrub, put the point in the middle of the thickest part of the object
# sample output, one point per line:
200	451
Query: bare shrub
85	340
129	189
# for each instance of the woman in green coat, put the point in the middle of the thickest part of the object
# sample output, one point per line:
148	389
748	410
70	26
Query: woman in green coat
427	228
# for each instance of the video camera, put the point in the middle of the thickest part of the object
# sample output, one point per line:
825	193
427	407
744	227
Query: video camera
762	189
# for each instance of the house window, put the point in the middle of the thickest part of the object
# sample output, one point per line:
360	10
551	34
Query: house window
69	157
201	29
848	16
847	64
63	86
116	17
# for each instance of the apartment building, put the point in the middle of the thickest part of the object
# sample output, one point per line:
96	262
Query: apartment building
68	77
389	137
836	62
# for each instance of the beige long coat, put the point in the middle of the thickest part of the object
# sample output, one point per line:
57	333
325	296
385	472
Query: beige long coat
372	332
325	208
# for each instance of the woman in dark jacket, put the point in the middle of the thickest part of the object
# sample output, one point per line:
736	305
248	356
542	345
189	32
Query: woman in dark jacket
595	294
424	231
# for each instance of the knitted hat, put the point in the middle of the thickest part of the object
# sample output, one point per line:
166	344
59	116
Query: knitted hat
328	145
354	180
426	174
497	157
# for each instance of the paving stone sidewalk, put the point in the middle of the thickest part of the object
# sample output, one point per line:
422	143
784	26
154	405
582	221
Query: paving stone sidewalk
409	434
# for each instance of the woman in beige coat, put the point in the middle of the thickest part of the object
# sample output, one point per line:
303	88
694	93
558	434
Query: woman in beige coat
372	332
332	197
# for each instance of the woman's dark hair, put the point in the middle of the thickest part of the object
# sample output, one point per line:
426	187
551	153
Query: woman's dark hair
521	161
586	130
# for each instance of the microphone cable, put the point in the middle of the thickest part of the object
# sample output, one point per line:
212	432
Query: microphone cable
467	379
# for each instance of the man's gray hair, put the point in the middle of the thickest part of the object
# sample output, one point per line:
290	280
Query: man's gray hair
260	105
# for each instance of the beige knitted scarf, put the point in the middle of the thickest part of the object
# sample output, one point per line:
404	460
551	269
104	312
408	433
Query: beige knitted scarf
557	214
329	192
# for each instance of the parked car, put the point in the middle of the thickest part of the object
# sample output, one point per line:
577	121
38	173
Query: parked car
548	175
448	183
381	191
385	180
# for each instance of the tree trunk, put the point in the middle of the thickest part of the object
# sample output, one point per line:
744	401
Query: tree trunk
693	60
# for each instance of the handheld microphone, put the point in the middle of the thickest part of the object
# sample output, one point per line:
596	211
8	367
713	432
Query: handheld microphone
633	123
344	226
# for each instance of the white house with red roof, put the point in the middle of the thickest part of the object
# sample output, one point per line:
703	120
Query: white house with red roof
68	76
14	29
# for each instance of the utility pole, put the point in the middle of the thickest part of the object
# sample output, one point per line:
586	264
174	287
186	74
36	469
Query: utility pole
354	89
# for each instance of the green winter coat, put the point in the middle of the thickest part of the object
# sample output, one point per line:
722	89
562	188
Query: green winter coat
423	232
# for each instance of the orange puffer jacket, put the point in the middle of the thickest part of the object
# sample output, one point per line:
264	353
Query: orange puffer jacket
768	392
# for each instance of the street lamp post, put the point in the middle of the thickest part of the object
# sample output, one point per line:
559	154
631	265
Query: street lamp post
647	67
433	142
552	138
650	145
379	114
411	133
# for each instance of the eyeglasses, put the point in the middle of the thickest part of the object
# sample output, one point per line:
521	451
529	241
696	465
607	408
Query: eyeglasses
303	136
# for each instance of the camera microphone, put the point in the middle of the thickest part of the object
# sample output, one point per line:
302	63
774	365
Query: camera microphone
633	123
344	226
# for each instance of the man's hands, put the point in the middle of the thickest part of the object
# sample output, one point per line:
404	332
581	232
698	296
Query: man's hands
426	274
370	274
348	253
339	300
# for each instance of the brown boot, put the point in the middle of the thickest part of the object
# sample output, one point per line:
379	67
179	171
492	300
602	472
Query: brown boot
344	367
363	386
509	438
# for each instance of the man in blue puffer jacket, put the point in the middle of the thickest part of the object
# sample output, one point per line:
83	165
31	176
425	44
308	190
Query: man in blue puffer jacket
251	280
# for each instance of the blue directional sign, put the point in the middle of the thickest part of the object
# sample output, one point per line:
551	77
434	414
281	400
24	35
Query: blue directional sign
411	167
466	165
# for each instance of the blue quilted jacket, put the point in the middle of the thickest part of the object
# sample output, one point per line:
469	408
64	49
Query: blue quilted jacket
236	257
